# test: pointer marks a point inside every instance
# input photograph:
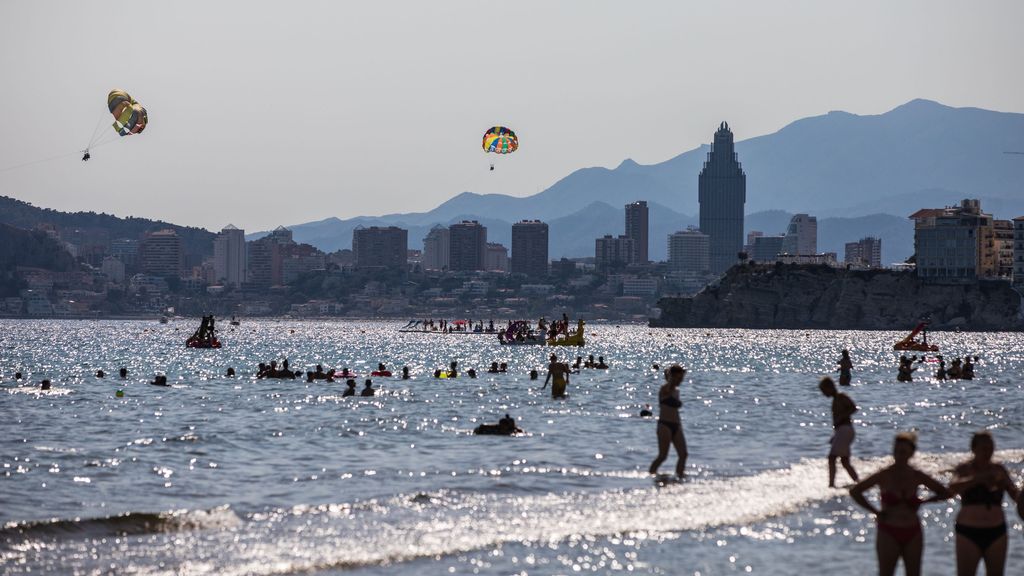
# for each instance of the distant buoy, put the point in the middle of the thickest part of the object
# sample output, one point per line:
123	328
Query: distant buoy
119	393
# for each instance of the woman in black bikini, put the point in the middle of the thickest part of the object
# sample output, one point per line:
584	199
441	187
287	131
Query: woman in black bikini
981	525
670	428
899	527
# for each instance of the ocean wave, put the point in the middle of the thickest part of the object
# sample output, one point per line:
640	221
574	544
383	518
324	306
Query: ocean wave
442	523
128	524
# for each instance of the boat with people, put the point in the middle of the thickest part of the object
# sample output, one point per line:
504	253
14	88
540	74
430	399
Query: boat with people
205	336
454	327
520	333
565	338
911	344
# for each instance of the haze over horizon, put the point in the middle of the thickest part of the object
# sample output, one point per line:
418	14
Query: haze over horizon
263	114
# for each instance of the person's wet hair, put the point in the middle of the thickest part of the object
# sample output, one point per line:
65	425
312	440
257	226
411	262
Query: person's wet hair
676	370
981	437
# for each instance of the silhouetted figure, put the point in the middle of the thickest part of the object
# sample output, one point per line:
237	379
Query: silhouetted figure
405	372
505	427
351	388
367	388
899	526
230	373
600	363
843	434
845	368
493	369
160	380
100	374
670	427
44	385
471	373
645	412
534	375
123	372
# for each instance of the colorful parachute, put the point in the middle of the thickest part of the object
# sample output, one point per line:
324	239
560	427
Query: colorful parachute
500	140
129	116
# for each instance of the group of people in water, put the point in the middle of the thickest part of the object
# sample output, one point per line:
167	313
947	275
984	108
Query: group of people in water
958	369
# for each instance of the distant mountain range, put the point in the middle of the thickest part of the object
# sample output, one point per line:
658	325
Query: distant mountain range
860	175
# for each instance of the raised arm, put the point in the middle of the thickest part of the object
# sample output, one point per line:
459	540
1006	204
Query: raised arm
940	492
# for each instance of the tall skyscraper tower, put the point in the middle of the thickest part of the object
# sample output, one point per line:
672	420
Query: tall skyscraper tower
468	246
229	256
801	236
530	248
383	247
436	248
722	192
637	228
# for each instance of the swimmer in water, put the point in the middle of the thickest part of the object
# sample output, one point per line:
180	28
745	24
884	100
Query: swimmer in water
368	389
845	368
471	373
493	369
534	375
44	385
351	390
230	373
899	526
100	374
160	380
123	372
405	372
558	375
670	427
600	363
453	371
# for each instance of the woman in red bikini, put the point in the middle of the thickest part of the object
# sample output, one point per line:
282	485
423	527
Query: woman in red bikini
981	524
899	527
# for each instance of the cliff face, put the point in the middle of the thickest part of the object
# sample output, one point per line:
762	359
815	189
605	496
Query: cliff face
798	296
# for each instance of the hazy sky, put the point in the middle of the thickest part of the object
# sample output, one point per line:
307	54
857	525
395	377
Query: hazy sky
266	113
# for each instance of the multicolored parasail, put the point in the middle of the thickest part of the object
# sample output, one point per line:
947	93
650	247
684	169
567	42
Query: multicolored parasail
129	116
500	140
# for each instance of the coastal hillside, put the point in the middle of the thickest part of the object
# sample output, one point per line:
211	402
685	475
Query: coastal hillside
198	242
801	296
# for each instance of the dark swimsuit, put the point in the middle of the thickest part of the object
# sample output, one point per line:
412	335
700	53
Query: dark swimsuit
671	402
986	536
903	535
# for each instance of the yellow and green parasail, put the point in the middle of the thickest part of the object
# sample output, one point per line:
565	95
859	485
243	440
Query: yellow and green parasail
129	116
500	140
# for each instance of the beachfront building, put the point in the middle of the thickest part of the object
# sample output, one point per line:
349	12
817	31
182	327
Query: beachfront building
380	247
722	193
864	253
436	248
689	252
229	257
496	258
766	249
162	254
530	248
955	243
467	246
801	236
637	229
1018	252
613	252
1002	231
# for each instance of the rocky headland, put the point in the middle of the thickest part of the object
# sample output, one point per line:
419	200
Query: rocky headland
806	296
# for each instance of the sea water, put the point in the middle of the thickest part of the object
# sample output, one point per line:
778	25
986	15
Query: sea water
217	475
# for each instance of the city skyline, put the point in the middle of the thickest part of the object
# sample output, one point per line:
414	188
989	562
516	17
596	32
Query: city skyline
342	161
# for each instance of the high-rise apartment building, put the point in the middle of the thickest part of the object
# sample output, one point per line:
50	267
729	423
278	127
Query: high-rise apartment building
265	257
611	252
161	254
866	252
637	229
496	258
722	193
1003	238
380	247
436	249
530	248
1018	252
689	252
229	257
468	246
801	236
766	249
955	243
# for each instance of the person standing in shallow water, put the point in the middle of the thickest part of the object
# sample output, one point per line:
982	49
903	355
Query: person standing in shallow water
845	369
558	375
843	409
980	525
670	427
899	526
